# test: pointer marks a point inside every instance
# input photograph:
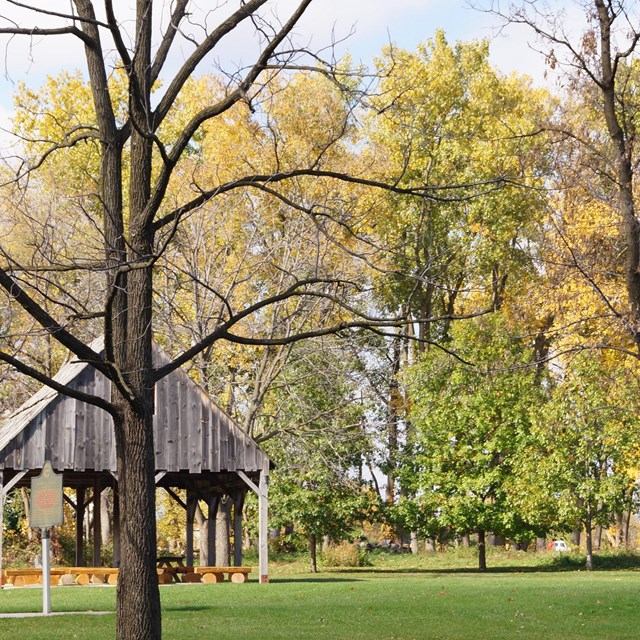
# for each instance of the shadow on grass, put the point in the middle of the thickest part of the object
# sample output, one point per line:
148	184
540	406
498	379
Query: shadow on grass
185	607
315	580
557	564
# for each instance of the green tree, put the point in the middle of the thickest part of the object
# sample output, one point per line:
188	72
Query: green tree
312	426
470	423
580	465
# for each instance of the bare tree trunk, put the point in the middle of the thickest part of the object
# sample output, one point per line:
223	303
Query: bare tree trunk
313	554
589	543
597	539
575	535
393	406
627	524
482	551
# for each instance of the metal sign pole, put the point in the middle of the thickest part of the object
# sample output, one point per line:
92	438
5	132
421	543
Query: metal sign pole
46	572
46	510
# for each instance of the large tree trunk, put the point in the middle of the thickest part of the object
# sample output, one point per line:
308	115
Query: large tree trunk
138	613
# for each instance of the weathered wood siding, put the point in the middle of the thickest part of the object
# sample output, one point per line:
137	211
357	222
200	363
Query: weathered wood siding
191	432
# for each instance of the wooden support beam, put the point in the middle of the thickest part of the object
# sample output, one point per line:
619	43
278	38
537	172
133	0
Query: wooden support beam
212	509
13	482
192	501
80	511
238	506
263	526
176	497
262	490
70	502
97	529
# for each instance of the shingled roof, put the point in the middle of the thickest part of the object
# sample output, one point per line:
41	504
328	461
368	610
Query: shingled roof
191	432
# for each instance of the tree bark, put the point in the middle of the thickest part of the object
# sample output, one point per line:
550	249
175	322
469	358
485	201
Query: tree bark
138	613
576	535
482	551
223	528
313	554
105	516
589	543
393	407
597	540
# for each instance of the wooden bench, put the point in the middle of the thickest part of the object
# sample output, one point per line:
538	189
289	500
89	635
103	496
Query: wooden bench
102	575
24	577
217	574
81	575
93	575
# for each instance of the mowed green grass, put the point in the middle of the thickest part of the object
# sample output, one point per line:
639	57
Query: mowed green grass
365	604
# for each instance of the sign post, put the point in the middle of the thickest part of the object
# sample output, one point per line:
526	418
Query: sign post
46	511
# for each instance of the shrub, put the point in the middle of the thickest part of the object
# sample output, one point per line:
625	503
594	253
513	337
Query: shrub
345	554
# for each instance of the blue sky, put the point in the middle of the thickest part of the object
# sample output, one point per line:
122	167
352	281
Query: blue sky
375	22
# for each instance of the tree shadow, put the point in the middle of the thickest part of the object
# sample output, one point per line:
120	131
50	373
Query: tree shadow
313	579
559	564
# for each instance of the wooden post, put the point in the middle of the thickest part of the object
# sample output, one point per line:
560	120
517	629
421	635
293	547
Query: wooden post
191	512
116	525
262	491
80	508
212	509
263	525
97	529
238	505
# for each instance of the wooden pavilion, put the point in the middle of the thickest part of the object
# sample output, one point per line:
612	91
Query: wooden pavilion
198	448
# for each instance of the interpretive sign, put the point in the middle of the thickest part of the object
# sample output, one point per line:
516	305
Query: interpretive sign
46	499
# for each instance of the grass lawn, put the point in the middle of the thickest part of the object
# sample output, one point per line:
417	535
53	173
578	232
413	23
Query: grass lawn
398	599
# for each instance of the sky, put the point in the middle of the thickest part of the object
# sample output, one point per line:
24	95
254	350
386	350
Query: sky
369	25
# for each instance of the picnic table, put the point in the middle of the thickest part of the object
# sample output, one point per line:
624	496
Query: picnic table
169	561
169	567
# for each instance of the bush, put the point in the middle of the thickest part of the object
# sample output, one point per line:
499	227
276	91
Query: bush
345	554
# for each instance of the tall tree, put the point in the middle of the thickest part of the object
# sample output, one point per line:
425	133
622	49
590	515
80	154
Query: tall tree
443	111
131	220
598	163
